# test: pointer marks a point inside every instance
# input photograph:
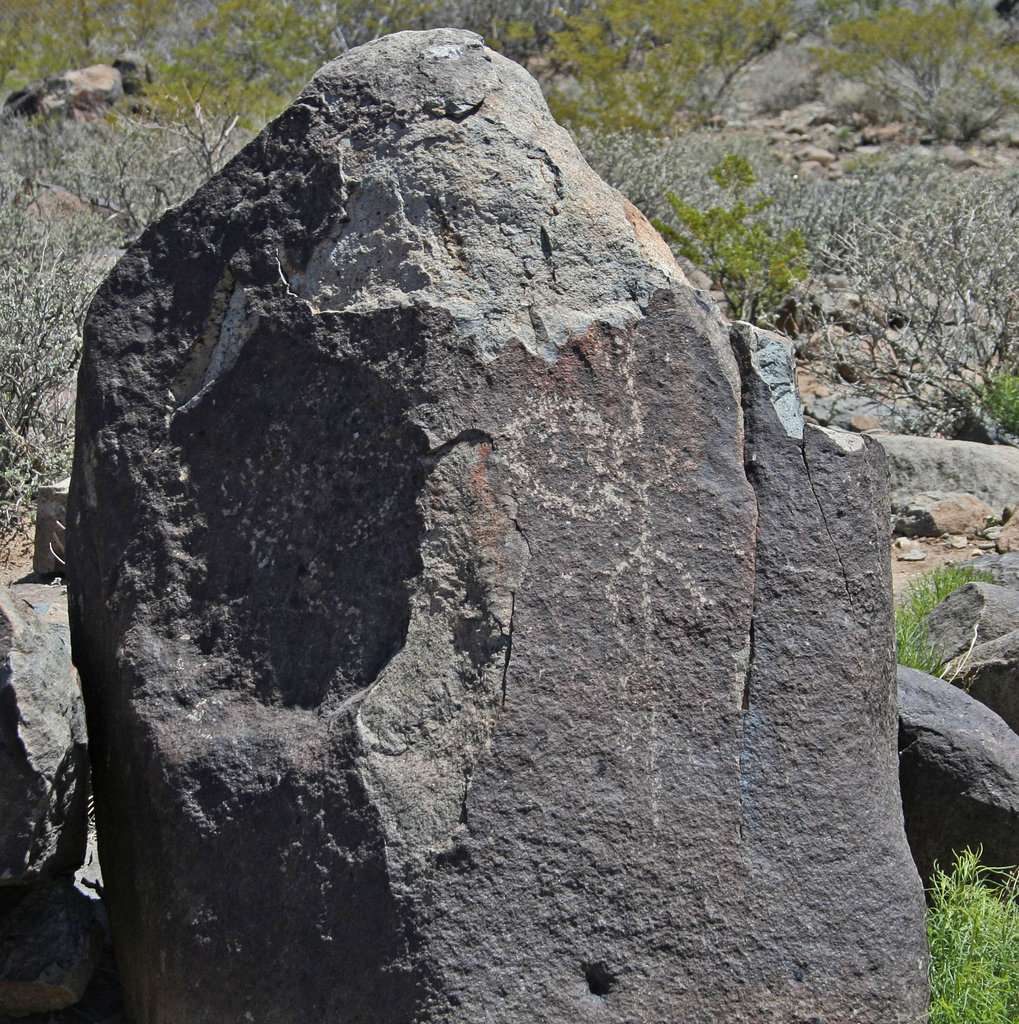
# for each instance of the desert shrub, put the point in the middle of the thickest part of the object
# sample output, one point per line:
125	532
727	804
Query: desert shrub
754	266
645	166
912	646
250	58
973	931
947	67
938	280
134	168
639	64
53	261
521	29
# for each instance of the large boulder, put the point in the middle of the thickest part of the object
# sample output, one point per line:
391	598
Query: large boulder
465	635
916	464
959	772
934	513
43	760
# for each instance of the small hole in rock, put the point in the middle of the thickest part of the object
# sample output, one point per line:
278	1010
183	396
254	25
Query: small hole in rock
599	979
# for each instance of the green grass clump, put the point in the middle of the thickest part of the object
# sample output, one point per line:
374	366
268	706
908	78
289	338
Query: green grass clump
914	650
973	930
1000	398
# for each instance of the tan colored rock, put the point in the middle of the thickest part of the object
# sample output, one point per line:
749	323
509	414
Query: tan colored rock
932	514
817	154
85	94
810	169
50	529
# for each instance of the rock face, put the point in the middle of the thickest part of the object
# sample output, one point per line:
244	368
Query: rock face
43	763
959	771
427	615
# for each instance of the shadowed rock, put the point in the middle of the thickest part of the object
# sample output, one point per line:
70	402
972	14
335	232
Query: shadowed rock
448	661
959	770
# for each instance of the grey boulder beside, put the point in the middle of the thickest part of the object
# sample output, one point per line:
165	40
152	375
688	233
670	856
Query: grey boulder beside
959	774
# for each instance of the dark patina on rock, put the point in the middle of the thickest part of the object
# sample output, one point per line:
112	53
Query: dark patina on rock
434	666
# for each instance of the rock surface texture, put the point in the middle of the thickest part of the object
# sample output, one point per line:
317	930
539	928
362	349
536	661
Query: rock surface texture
50	943
457	653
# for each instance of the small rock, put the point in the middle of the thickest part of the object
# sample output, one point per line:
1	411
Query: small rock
50	517
958	541
912	556
810	169
816	154
991	533
864	423
698	279
934	513
1008	536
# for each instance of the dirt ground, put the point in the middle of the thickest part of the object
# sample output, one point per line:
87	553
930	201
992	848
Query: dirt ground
16	559
938	552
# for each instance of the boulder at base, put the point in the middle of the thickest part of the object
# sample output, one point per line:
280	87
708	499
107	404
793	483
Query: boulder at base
959	770
442	663
50	943
43	760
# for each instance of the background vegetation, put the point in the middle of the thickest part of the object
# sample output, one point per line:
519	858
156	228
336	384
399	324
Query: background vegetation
899	277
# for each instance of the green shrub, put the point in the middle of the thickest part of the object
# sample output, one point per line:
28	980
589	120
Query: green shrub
947	67
973	931
1000	398
659	66
912	646
754	266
